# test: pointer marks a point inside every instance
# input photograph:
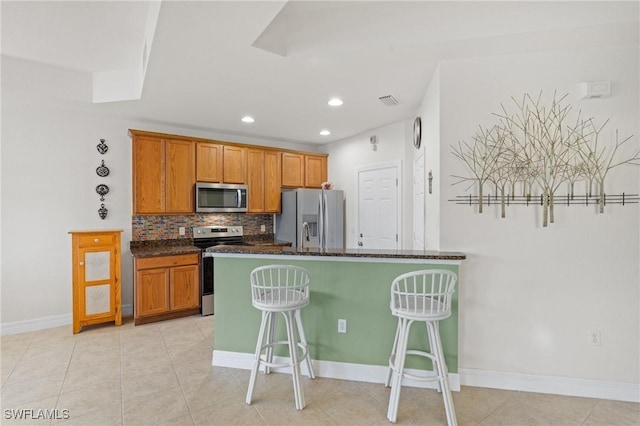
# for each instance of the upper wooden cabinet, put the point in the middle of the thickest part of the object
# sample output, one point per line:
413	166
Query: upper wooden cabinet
180	166
315	170
292	170
272	181
303	170
166	167
234	169
209	162
163	175
263	180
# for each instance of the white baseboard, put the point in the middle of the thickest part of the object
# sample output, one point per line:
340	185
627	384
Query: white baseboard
469	377
45	322
331	370
618	391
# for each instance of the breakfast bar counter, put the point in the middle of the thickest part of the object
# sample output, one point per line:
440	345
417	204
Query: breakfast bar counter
349	284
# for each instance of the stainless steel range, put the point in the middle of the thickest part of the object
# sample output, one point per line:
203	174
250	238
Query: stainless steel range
209	236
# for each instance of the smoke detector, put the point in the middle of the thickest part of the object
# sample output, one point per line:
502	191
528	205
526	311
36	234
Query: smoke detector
389	100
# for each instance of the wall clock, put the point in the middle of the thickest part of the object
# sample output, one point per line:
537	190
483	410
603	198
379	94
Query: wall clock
417	132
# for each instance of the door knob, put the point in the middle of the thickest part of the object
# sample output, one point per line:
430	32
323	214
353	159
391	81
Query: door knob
81	263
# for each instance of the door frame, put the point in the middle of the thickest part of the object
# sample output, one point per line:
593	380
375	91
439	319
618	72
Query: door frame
396	164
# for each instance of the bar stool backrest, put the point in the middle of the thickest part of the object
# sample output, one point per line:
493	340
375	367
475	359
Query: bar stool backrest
279	287
423	295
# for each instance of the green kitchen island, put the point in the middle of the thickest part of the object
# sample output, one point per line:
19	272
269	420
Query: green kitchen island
348	284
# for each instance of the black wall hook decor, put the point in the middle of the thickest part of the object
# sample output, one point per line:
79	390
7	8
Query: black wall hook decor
102	147
102	211
102	190
102	170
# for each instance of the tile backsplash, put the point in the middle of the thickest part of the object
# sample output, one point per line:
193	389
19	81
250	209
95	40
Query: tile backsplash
164	227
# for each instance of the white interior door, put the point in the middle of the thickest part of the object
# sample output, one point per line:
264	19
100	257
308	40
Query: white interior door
378	207
418	203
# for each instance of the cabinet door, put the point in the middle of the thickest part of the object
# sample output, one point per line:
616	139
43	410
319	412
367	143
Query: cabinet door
148	175
152	292
272	181
255	180
234	169
97	282
292	170
315	168
180	168
185	287
208	162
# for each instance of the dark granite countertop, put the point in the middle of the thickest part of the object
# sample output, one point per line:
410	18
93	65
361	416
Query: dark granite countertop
381	254
151	248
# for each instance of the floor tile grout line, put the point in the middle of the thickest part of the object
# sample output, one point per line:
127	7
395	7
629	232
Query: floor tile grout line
64	378
173	367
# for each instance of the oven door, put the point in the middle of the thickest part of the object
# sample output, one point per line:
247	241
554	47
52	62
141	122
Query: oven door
206	284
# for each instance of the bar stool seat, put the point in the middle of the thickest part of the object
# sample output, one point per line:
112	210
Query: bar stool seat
281	289
423	296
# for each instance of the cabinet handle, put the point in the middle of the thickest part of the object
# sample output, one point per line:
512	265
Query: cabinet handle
81	263
96	240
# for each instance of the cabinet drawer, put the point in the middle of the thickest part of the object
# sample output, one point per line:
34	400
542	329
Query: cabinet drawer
96	239
167	261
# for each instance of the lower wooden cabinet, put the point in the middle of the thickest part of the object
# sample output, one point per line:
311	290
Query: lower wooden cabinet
96	278
166	287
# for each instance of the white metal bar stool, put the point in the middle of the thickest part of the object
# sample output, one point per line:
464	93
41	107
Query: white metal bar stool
281	289
423	296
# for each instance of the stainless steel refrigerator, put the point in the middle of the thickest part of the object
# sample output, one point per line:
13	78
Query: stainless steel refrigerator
311	218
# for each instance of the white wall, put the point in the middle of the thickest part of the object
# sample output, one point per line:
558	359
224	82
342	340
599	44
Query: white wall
49	157
350	154
530	295
430	116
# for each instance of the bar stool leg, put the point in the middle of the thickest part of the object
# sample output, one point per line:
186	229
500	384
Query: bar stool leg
392	357
398	371
256	361
271	332
298	392
303	340
442	373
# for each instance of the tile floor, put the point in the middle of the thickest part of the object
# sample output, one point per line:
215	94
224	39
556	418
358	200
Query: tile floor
161	374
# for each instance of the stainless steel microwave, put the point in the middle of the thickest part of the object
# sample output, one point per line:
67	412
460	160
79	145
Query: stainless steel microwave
220	198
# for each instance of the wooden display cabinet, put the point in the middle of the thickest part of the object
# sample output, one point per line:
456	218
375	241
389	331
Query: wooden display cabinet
96	278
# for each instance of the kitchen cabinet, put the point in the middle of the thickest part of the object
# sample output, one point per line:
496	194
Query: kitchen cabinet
303	170
315	170
263	180
234	169
166	287
272	181
163	175
209	162
96	275
292	170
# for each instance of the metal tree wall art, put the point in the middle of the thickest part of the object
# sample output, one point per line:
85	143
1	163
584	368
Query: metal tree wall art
540	147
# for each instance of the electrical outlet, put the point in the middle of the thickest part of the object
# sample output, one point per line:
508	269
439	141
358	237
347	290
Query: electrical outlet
263	228
342	326
595	338
181	230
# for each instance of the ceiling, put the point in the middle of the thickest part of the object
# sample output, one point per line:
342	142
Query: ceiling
212	62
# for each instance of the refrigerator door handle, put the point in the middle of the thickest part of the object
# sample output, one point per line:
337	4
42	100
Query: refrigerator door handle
325	221
320	224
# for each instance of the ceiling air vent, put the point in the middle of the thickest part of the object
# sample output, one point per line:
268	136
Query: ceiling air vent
389	100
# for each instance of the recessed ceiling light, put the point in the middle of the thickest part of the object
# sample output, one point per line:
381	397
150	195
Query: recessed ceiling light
248	119
325	132
335	102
